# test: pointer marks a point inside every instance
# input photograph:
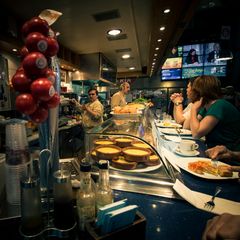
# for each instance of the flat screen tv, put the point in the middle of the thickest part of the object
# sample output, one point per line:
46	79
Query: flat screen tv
195	60
171	74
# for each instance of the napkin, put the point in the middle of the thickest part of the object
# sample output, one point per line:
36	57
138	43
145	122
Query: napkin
198	200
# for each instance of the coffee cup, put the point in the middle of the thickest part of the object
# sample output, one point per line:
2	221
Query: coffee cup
187	145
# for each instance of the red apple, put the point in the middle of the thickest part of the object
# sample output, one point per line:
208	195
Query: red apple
50	75
35	63
52	48
23	52
53	102
25	103
36	42
42	89
21	82
40	115
35	24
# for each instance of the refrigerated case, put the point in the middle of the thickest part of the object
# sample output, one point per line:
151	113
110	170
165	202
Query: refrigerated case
154	180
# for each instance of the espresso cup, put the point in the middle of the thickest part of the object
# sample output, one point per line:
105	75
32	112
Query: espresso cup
187	145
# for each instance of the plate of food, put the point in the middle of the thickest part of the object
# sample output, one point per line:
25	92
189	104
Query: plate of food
163	124
205	168
172	131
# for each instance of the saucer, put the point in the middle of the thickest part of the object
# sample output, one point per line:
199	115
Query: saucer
186	153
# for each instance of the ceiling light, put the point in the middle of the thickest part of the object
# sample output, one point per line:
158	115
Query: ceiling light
159	40
154	59
153	63
126	56
162	28
155	54
114	32
157	48
14	50
167	10
131	68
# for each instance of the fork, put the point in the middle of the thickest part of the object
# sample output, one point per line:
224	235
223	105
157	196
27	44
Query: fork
210	204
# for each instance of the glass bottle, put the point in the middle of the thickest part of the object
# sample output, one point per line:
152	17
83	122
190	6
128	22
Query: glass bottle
104	194
85	196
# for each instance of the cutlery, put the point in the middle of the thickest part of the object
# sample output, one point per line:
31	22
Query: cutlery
210	204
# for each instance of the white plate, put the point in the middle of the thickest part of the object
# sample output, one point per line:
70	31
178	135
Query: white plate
140	170
186	154
168	125
183	164
171	131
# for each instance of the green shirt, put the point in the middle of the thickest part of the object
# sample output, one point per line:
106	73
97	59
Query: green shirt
227	131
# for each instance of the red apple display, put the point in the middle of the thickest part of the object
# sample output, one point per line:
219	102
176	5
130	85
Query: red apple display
35	63
24	52
25	103
35	24
42	89
52	48
50	75
21	82
40	115
36	42
53	102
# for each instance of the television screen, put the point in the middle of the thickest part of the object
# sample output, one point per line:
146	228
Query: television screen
168	74
172	63
192	72
193	55
218	71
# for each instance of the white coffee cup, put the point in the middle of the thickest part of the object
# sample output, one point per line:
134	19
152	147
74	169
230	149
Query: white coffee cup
187	145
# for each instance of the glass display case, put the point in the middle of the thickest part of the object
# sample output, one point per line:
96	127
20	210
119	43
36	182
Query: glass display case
130	145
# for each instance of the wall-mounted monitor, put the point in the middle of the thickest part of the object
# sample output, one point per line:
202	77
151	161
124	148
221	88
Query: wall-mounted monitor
171	74
194	60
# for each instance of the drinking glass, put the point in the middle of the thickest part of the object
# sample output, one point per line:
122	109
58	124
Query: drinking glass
158	113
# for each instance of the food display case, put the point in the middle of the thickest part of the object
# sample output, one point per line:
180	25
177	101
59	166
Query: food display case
130	145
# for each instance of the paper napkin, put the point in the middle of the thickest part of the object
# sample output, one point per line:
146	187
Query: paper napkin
198	200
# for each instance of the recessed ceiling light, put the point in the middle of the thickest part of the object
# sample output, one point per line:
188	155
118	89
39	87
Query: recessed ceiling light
154	59
131	68
126	56
157	48
153	63
14	50
167	10
114	32
159	40
162	28
155	54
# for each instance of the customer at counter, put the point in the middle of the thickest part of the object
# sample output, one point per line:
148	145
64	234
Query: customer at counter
225	226
119	98
221	152
92	112
182	115
212	116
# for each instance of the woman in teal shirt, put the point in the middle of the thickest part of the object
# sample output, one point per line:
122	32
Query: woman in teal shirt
212	116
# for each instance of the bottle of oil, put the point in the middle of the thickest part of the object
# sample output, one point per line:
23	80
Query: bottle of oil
85	196
104	194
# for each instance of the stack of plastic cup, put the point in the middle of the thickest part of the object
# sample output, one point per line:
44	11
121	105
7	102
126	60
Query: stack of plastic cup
17	159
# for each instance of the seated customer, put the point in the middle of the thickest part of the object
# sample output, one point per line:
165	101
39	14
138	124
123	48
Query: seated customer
213	117
92	112
225	226
182	115
221	152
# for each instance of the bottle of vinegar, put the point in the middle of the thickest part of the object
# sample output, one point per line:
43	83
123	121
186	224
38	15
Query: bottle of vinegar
85	196
104	194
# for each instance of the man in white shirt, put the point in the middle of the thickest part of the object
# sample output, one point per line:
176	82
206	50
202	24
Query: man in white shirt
119	98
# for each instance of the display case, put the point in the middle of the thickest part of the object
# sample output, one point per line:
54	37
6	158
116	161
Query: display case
130	145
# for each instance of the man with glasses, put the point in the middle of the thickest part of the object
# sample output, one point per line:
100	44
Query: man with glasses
92	112
119	98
